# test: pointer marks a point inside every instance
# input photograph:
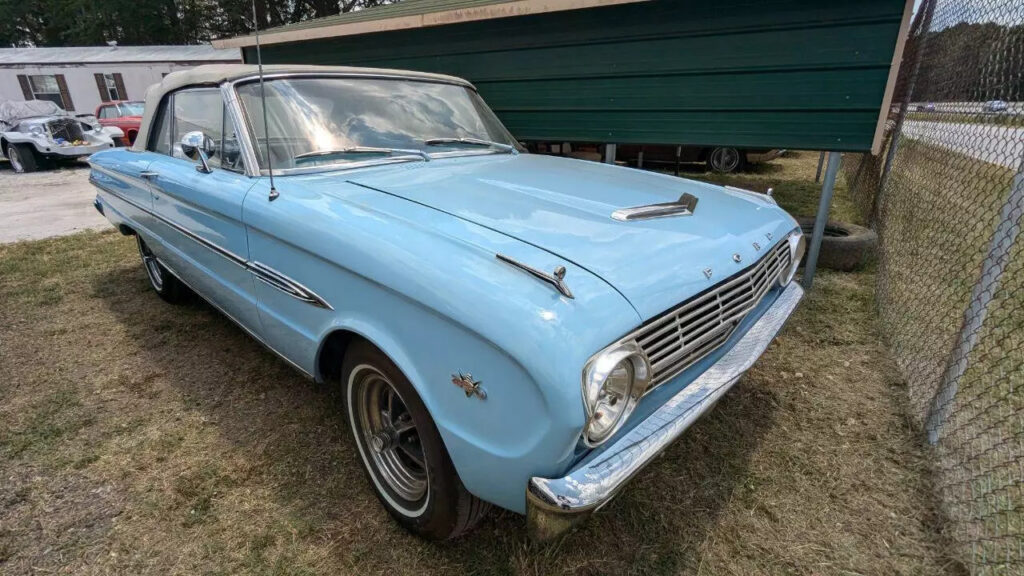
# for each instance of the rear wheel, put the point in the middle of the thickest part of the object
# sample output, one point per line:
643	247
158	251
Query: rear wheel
725	160
165	284
23	158
402	451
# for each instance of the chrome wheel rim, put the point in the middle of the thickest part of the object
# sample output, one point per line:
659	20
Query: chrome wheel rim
15	159
149	261
725	159
391	440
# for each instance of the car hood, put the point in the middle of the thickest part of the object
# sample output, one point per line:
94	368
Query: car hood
564	206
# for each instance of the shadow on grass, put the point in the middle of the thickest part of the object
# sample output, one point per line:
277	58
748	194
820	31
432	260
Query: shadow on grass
295	442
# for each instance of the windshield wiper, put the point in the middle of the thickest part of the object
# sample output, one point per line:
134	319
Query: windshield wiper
472	142
363	150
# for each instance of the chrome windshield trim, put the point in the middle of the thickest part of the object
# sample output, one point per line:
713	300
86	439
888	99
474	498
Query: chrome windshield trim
234	109
551	502
366	75
230	89
555	278
685	206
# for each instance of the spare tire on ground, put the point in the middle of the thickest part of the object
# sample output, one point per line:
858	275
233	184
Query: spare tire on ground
844	246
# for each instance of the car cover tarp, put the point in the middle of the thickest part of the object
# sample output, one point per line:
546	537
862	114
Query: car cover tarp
11	111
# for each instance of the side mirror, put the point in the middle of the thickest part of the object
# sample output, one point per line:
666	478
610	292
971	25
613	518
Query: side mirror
197	147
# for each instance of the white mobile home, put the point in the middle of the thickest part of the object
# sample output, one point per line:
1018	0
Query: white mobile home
80	78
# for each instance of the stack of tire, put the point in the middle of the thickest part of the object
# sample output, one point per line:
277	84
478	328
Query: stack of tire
845	247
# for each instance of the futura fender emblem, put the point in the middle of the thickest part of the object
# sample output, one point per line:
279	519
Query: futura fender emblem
469	386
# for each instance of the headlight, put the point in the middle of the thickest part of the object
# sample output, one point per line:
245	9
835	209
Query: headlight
40	131
613	382
797	246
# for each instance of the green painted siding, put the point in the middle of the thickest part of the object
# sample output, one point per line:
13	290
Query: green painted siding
774	74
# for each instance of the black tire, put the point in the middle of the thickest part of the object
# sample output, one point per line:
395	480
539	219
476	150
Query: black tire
23	158
165	284
725	160
446	509
844	247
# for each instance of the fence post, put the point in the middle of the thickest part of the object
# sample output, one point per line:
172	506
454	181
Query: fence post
821	161
819	221
981	296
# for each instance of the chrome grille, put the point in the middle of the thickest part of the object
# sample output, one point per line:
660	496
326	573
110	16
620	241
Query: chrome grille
687	333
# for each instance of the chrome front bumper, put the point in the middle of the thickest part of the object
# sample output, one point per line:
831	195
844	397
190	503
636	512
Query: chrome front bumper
555	504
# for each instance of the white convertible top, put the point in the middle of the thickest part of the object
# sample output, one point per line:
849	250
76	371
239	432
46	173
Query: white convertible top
215	74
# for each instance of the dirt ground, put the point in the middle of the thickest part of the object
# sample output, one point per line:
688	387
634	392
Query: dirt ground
44	204
142	438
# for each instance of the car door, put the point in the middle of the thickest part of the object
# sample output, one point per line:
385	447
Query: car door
199	212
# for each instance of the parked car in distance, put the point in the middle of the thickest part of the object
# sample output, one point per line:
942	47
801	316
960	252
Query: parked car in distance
996	106
926	107
124	114
722	159
36	134
506	328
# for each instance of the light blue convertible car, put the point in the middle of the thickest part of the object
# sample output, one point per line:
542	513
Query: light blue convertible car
506	328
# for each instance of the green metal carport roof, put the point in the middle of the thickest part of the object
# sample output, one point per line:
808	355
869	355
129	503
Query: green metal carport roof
772	74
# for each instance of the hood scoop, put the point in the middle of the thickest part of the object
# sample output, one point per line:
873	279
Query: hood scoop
685	206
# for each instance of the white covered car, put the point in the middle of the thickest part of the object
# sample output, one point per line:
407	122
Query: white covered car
37	133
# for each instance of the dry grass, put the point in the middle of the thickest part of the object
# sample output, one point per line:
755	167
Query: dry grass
141	438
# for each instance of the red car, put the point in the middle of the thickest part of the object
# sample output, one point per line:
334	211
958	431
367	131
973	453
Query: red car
125	114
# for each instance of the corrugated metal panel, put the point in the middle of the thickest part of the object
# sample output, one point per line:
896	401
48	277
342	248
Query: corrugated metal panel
97	54
779	73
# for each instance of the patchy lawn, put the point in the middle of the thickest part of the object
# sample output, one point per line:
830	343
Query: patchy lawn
142	438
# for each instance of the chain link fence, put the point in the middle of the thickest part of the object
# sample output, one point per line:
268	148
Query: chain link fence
947	199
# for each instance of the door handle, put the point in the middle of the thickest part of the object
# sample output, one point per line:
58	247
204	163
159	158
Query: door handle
148	174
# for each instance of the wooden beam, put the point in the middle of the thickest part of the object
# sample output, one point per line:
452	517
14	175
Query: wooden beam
489	12
894	72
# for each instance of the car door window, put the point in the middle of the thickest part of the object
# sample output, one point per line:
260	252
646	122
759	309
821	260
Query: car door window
160	138
199	110
231	152
105	113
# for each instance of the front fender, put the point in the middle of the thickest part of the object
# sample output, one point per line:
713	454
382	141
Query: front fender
426	289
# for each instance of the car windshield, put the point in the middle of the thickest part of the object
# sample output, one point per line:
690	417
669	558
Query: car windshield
317	121
131	108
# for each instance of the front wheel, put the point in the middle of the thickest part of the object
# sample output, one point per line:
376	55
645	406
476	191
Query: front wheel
23	158
402	451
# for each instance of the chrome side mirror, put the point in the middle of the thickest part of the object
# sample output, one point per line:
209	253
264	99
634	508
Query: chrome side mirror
197	146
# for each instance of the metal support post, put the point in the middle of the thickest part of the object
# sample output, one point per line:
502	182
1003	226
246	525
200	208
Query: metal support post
984	291
819	221
609	153
821	162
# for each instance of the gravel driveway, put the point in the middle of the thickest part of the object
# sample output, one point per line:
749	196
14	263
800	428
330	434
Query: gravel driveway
44	204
